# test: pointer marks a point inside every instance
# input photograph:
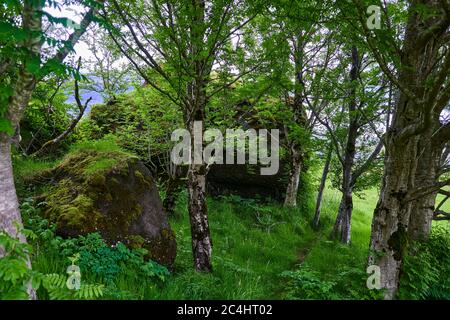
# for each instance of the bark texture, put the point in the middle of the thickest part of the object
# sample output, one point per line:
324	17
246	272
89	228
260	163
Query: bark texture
417	107
198	211
342	226
294	180
295	147
422	210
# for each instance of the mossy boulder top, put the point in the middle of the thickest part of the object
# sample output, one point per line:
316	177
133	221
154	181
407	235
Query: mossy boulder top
113	193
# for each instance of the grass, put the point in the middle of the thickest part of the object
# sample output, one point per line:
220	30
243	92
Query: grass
253	245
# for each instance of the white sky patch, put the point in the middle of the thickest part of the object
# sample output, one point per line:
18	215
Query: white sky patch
75	13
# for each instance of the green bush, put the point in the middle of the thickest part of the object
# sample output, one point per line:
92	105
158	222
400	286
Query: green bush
426	271
98	261
106	262
305	283
17	278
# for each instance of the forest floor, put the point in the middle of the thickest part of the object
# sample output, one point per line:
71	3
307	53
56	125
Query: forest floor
259	252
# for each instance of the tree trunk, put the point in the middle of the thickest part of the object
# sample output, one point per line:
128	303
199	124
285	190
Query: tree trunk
347	217
388	241
9	204
296	151
195	113
337	227
198	213
413	118
422	210
323	181
23	90
342	226
294	180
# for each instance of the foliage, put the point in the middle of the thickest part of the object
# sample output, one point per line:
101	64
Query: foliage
95	257
426	270
306	284
47	116
139	121
16	277
106	262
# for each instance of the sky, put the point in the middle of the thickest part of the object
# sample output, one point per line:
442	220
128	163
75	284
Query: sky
75	13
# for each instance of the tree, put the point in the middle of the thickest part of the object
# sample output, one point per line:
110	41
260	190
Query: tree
351	172
174	45
307	49
108	74
353	113
323	181
20	58
420	54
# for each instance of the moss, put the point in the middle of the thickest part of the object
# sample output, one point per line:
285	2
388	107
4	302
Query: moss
136	241
91	190
142	179
100	165
96	179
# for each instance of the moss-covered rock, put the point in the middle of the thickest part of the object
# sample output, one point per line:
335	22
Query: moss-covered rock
113	193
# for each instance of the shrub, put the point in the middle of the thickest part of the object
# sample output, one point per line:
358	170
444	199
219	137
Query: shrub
426	269
307	284
16	278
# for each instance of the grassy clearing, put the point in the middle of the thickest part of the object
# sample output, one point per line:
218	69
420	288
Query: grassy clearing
253	246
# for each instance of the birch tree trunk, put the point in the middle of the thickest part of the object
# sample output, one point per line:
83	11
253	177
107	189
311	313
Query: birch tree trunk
9	204
198	211
24	87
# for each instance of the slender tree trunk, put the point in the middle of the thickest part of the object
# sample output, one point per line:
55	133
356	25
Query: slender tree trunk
9	205
337	227
296	151
323	181
347	217
195	113
198	212
342	226
294	180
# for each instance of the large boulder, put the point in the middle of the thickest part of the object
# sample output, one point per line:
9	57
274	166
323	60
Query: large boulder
113	193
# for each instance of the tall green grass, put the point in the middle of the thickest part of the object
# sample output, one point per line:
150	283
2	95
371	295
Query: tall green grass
253	245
